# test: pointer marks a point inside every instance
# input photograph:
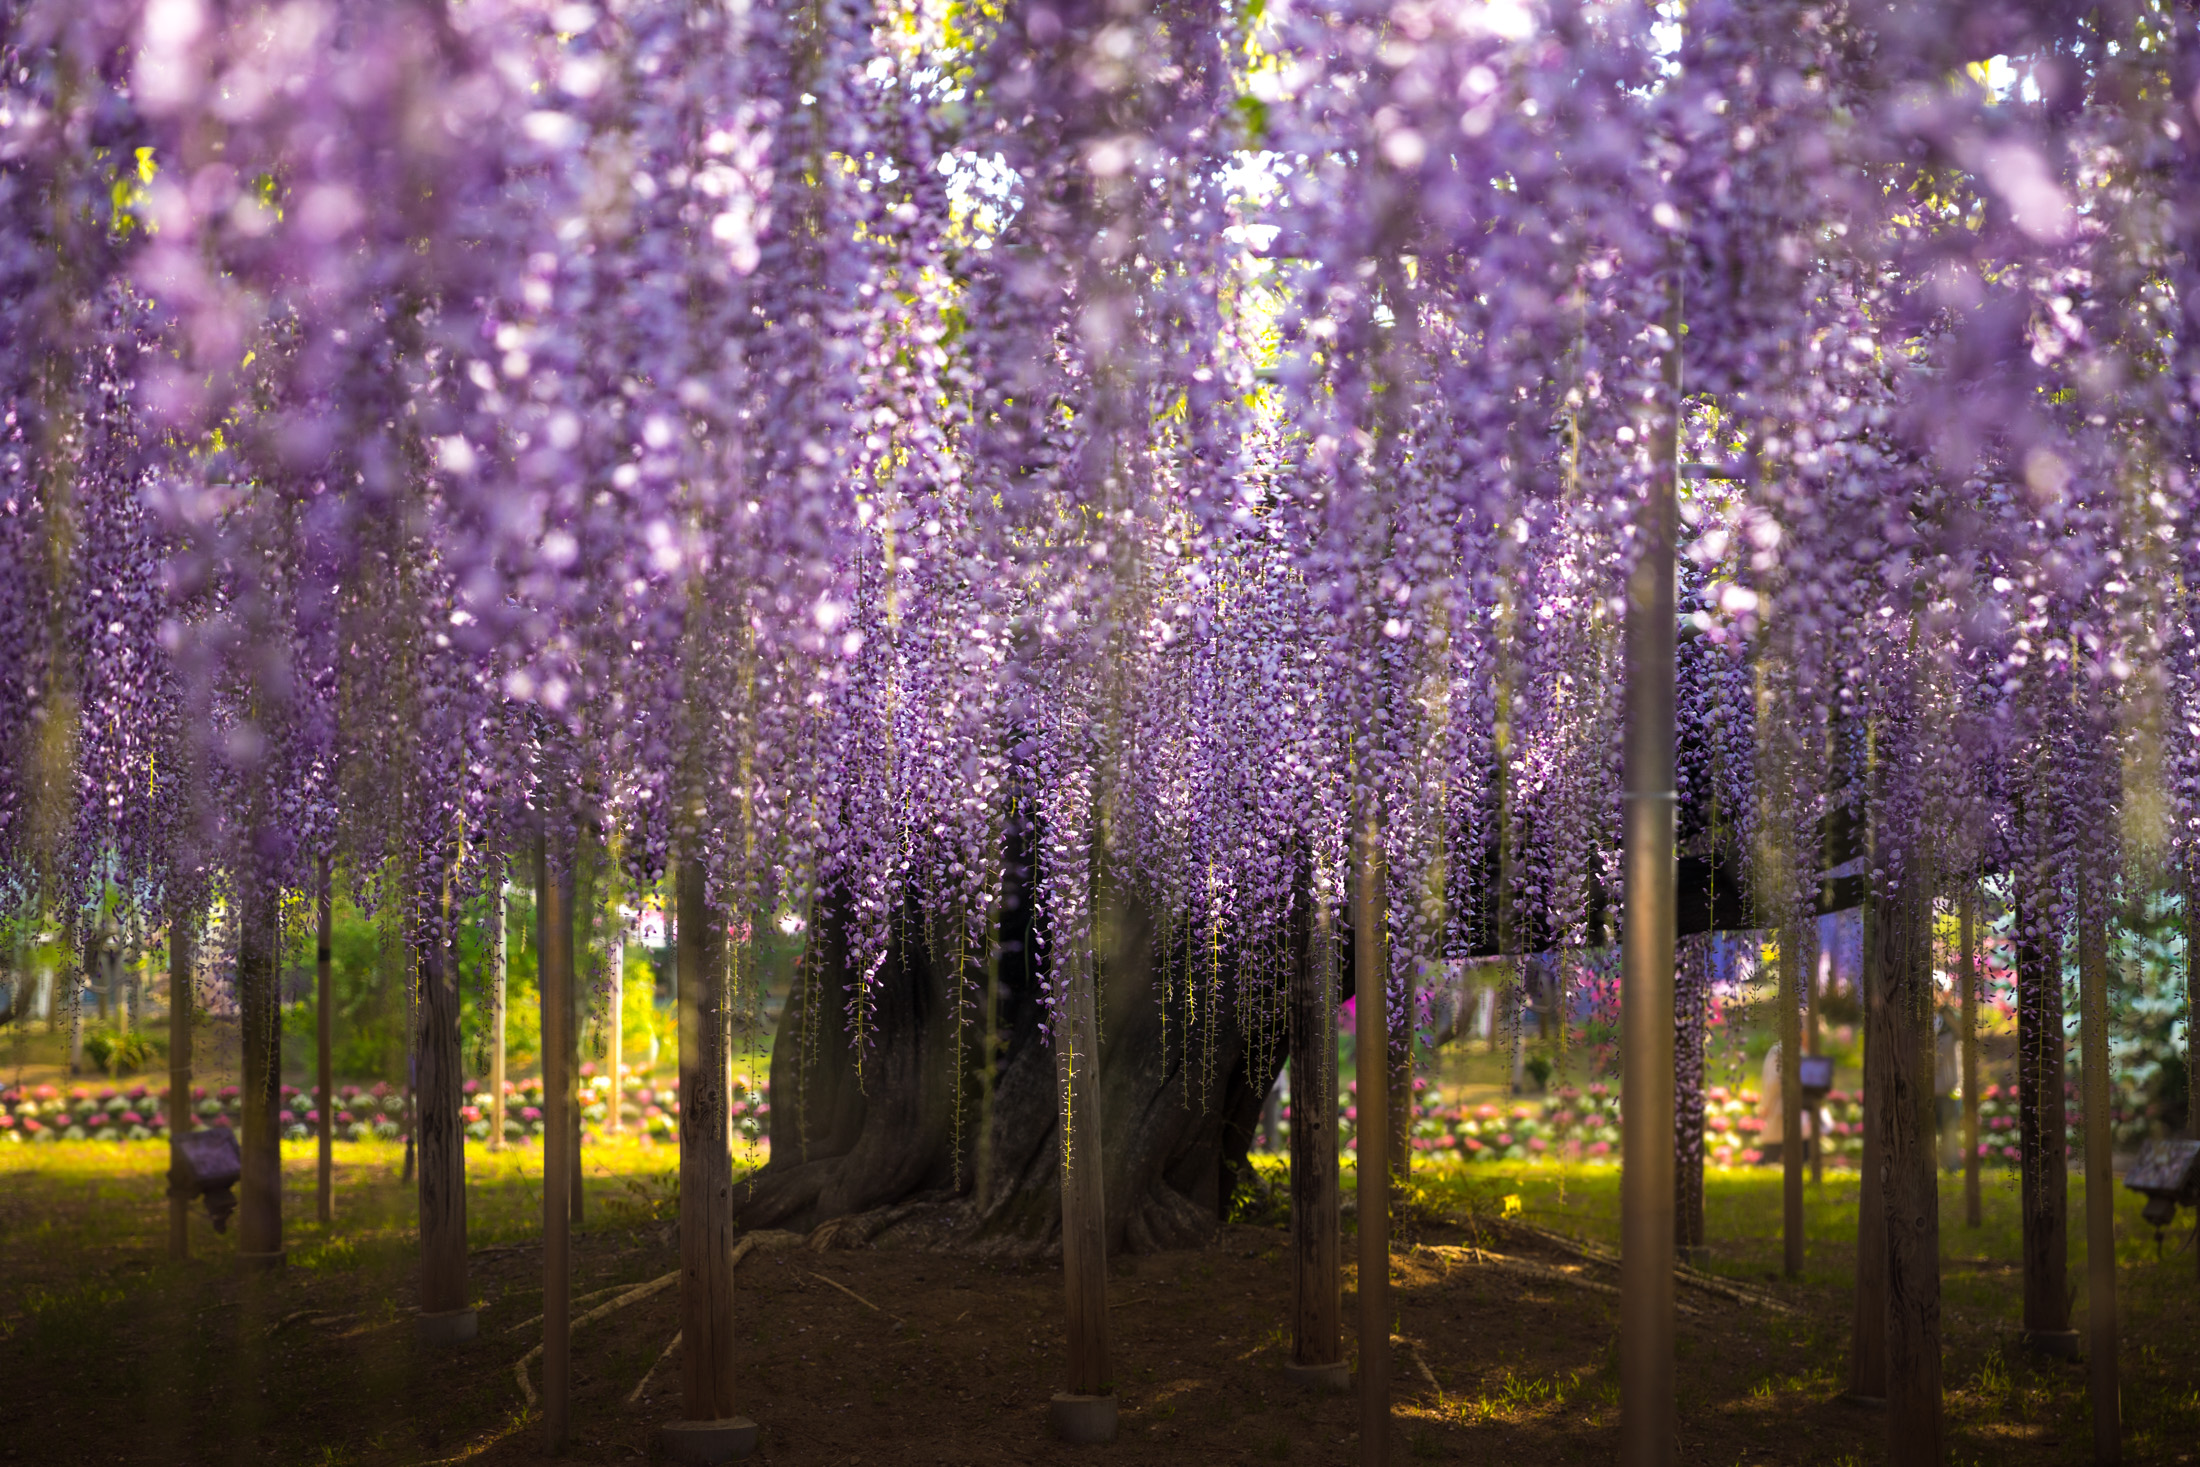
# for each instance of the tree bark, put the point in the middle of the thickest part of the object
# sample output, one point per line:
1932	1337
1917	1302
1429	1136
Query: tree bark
890	1139
2100	1180
554	950
182	991
1315	1224
442	1144
1911	1182
260	1190
2043	1184
706	1165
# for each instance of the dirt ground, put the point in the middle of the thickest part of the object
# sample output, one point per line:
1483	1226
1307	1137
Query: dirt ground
891	1354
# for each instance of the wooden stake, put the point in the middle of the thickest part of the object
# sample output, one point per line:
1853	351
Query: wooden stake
1967	935
181	1122
260	1190
1646	983
1315	1226
496	1020
1791	1100
2100	1179
554	954
706	1164
324	981
442	1150
1371	1045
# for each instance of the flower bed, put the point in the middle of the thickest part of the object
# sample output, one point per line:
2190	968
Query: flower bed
49	1113
1582	1124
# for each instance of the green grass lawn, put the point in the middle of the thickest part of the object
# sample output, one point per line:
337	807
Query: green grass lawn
197	1362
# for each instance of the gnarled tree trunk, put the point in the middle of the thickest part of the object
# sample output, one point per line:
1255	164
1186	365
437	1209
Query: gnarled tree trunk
887	1131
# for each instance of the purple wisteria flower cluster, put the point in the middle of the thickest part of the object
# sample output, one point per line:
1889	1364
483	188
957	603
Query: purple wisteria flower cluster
814	438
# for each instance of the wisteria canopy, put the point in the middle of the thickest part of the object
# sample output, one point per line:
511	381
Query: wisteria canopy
808	437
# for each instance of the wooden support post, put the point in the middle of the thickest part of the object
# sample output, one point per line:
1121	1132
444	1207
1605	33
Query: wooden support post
706	1173
554	954
503	946
2042	1130
1969	976
1401	1067
611	1122
583	901
2192	1008
1371	1050
260	1190
1086	1410
1905	1122
1868	1325
1646	963
1811	1042
444	1317
1792	1140
1691	1020
324	1025
182	994
2100	1179
1317	1354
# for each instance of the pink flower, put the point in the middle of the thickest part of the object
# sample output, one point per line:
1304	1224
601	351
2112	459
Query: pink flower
1600	1148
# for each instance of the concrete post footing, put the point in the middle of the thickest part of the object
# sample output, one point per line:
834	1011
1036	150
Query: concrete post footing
1335	1377
707	1441
1082	1421
447	1327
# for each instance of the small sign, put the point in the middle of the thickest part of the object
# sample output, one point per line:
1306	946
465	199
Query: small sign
2165	1169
